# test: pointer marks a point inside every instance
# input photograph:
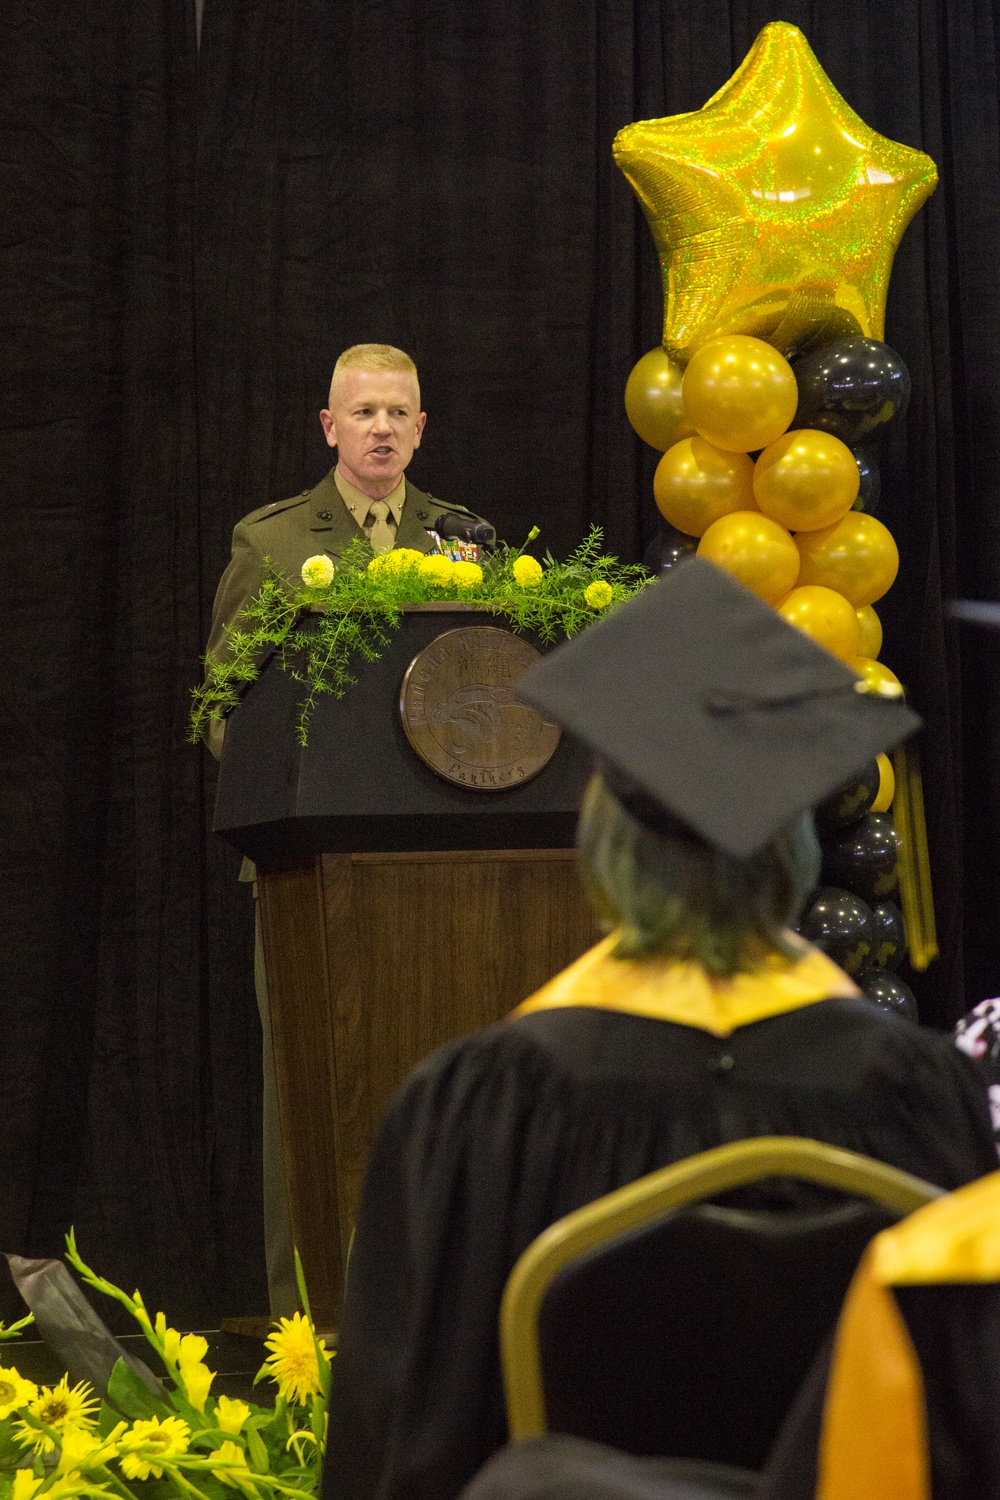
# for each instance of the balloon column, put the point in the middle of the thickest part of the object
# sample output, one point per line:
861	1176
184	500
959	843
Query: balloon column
776	213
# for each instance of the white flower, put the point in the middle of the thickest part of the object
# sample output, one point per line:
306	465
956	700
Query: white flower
317	571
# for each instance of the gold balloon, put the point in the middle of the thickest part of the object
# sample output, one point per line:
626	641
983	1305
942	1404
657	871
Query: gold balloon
775	209
871	632
827	617
695	484
878	677
739	393
806	480
886	785
653	401
857	557
756	550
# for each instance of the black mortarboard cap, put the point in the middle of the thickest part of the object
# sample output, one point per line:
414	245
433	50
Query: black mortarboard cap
697	695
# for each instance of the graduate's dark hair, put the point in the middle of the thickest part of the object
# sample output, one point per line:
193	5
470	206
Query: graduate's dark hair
670	893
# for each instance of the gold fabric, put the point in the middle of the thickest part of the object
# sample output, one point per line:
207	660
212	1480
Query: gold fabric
873	1444
874	1439
955	1239
666	990
775	209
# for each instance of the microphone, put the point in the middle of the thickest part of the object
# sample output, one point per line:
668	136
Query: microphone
464	529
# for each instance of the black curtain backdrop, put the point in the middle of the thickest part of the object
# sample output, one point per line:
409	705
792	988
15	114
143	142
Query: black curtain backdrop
190	239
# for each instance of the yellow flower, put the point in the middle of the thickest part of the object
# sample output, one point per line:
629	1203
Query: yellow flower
396	560
467	574
229	1414
60	1408
149	1440
292	1364
196	1377
169	1337
317	571
527	572
15	1391
197	1380
80	1449
232	1455
436	569
192	1349
598	594
25	1484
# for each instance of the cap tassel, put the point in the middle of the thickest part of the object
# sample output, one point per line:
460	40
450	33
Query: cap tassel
916	894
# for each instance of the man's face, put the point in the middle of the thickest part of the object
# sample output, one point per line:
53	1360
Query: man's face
374	421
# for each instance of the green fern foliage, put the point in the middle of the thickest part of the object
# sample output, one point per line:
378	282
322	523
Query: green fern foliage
320	635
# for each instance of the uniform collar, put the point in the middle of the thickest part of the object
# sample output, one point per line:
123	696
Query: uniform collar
667	990
359	504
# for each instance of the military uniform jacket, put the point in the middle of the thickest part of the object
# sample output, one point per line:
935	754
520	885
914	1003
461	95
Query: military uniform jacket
286	532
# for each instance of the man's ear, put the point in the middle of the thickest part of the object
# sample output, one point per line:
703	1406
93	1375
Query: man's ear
421	423
329	427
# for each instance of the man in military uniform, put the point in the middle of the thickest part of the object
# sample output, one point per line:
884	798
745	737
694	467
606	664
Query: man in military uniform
375	423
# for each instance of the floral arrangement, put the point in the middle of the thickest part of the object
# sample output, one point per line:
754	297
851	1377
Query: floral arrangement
349	610
155	1439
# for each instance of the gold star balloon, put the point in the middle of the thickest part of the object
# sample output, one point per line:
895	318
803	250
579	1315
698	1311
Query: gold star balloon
776	211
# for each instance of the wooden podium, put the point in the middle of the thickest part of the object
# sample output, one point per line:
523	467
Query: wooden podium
398	910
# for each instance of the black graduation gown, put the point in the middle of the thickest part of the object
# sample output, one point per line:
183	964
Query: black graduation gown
954	1328
495	1136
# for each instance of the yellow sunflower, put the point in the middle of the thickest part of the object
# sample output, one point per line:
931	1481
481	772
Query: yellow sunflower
61	1409
148	1440
292	1364
15	1391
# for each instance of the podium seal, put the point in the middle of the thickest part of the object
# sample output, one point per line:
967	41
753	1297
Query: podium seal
462	715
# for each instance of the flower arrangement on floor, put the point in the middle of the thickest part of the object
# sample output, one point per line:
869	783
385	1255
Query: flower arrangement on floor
343	612
146	1437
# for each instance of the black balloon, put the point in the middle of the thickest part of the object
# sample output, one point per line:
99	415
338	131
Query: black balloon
889	947
888	990
851	387
863	858
667	548
871	481
842	925
849	802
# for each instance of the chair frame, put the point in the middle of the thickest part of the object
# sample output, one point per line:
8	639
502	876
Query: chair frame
649	1198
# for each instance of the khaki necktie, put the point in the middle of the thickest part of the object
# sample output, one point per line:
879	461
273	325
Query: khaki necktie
382	535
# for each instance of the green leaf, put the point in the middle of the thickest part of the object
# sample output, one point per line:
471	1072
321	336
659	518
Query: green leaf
107	1418
210	1438
260	1459
132	1396
11	1451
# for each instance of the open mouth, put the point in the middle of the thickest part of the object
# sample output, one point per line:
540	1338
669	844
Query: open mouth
382	451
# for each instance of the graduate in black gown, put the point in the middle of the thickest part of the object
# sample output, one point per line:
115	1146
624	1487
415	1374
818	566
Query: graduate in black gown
909	1409
700	1019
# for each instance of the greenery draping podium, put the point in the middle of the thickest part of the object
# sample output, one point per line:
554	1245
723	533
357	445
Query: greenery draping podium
398	910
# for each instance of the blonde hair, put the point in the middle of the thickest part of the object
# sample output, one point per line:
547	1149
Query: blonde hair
374	357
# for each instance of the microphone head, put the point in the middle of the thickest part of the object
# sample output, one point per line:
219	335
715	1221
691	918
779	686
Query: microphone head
465	529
